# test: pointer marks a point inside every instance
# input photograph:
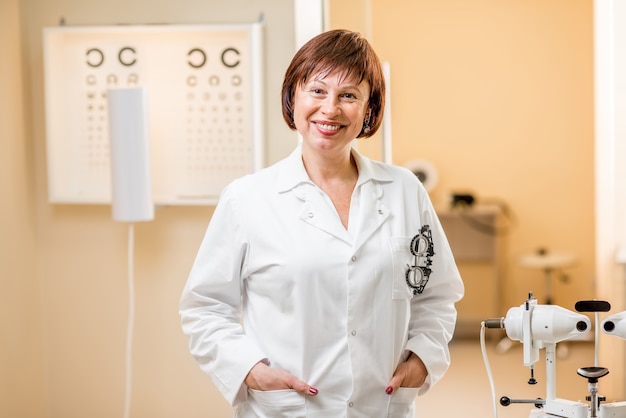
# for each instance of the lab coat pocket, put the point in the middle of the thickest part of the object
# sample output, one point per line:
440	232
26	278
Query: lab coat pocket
277	403
401	403
402	259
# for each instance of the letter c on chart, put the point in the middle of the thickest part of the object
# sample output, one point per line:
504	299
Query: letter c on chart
126	56
232	63
197	58
95	57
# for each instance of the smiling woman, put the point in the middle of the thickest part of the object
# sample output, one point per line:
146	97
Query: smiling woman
304	70
365	313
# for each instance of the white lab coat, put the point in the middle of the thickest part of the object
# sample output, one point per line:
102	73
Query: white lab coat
278	278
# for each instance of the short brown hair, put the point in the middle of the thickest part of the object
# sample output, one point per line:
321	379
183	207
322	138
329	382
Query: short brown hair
341	50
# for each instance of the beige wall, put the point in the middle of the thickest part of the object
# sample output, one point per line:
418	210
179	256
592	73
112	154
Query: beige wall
21	354
498	95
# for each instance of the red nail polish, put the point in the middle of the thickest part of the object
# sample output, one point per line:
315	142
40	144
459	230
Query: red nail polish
389	390
312	391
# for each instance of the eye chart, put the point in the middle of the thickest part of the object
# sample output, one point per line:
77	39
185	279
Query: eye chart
204	106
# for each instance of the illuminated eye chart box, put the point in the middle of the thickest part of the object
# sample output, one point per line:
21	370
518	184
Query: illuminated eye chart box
203	86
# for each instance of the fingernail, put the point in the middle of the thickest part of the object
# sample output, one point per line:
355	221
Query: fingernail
388	390
312	391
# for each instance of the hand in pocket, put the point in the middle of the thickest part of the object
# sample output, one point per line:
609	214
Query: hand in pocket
263	377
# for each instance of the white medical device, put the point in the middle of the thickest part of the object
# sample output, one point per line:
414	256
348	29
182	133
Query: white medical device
615	325
543	326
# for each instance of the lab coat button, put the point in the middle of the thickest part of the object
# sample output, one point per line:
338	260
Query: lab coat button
310	214
353	332
353	259
351	404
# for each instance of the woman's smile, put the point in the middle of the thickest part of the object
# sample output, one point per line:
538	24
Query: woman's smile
333	128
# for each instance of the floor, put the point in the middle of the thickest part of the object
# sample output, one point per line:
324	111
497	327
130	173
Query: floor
465	391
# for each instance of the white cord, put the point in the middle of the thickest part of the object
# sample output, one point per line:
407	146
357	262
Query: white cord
131	319
483	349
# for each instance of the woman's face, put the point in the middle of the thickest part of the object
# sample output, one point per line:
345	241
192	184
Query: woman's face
329	112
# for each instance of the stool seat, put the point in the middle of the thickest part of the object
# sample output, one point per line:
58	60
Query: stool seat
549	262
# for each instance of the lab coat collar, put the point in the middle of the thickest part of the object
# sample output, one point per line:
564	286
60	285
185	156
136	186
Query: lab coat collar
293	172
293	177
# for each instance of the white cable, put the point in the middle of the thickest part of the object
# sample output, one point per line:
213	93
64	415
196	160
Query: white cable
131	319
483	349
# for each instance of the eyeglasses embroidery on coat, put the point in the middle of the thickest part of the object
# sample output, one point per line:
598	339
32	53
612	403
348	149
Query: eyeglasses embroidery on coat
423	250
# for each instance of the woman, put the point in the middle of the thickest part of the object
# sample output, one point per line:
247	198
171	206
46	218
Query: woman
324	286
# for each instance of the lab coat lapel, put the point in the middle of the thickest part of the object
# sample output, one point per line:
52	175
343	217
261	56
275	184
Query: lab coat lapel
317	212
373	212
